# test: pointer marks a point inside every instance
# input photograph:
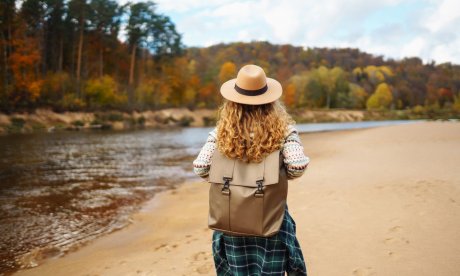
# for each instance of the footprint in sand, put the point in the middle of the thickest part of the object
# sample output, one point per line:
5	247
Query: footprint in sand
160	246
204	269
201	256
391	254
395	229
202	265
453	201
388	240
190	239
368	271
395	239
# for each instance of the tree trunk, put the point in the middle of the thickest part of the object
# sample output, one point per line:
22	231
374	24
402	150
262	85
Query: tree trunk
80	48
131	69
42	41
101	60
5	62
131	76
61	54
8	53
141	66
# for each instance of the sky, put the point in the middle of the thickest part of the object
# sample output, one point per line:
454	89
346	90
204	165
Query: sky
429	29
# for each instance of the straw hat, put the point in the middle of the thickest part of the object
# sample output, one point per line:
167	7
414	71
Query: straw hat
252	87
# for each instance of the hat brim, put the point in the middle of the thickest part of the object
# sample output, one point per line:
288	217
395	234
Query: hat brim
274	92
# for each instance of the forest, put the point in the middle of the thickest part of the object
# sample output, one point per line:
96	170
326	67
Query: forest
90	55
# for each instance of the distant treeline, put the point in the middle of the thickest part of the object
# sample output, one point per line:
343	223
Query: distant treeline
67	55
332	78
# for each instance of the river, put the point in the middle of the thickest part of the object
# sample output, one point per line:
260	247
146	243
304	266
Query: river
60	190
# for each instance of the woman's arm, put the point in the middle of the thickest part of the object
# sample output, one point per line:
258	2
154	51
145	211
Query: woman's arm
202	163
294	158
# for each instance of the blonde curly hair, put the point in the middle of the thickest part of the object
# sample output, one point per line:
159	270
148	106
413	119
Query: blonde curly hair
235	122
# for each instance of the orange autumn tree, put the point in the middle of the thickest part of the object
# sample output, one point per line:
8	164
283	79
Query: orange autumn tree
24	62
227	71
289	95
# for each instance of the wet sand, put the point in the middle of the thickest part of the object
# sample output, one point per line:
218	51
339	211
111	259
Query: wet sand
378	201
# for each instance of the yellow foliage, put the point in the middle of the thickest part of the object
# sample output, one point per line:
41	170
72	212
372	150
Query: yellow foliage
153	92
227	71
456	104
103	92
418	109
378	77
190	95
357	71
71	102
386	70
378	74
357	95
381	99
370	69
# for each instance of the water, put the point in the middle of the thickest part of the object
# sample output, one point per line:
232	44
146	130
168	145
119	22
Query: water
60	190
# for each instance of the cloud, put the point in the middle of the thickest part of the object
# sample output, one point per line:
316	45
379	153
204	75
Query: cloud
393	28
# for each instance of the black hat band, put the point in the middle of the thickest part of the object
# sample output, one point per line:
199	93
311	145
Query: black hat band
247	92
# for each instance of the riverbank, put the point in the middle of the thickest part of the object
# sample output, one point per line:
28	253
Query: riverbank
378	201
45	120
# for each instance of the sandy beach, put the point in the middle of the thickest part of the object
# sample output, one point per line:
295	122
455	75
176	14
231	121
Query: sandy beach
378	201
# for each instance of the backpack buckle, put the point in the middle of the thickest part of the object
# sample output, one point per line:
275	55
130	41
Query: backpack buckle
226	189
260	185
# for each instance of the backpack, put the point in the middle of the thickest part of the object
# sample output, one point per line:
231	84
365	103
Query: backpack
247	199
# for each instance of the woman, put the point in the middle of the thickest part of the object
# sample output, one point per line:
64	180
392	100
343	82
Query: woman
253	116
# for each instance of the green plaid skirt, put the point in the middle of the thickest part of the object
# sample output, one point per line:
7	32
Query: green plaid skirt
244	256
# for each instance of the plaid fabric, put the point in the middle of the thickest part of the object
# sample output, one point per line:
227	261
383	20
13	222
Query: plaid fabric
244	256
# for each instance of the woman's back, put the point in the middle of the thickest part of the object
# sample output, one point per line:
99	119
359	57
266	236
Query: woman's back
257	255
251	124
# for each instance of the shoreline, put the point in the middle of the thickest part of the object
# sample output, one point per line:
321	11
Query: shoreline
46	120
169	235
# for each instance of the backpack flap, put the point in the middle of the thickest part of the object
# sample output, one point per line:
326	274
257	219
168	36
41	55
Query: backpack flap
221	167
244	174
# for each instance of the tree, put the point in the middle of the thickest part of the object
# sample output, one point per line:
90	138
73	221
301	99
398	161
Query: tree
165	41
227	71
7	16
79	12
103	92
105	20
300	82
24	62
289	95
357	96
54	35
381	99
33	13
148	29
330	80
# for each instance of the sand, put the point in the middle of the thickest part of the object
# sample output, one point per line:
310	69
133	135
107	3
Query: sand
378	201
